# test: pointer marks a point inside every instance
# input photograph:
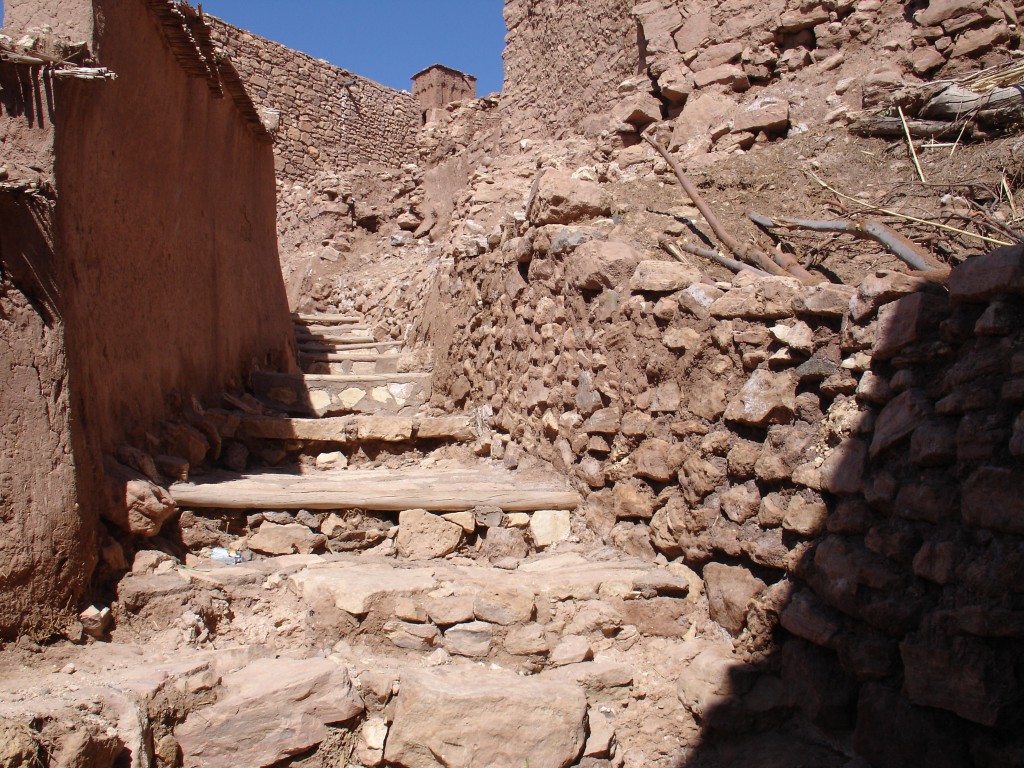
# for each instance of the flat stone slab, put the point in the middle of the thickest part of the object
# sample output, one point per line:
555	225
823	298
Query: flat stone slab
269	711
464	717
354	586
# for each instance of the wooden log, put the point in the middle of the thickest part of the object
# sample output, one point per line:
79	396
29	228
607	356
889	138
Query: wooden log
437	490
903	248
326	319
313	347
334	337
956	102
344	430
891	126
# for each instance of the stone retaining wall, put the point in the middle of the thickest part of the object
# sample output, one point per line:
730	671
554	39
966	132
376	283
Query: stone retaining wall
843	464
563	61
330	118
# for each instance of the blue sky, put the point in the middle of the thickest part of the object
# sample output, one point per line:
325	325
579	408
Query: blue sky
384	40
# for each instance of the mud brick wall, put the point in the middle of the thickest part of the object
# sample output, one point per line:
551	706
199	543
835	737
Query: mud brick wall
325	125
139	271
563	61
844	465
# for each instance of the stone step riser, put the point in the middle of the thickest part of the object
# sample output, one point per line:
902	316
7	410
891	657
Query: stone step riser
320	395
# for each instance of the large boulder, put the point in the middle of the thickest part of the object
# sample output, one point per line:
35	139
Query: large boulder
561	199
730	590
456	718
767	398
274	539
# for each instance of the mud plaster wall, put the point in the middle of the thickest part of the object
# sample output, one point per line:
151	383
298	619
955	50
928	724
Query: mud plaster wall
166	281
173	281
563	61
325	125
46	545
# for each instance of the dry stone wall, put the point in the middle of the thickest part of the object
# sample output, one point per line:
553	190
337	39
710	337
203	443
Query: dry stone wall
842	464
727	75
329	118
564	61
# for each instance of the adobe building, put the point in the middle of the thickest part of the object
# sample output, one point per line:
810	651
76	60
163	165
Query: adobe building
437	86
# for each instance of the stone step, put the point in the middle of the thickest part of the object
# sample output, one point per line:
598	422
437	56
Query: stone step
327	318
435	490
327	395
344	430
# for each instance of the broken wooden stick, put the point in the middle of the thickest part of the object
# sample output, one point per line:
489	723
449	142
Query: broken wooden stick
675	248
782	265
902	248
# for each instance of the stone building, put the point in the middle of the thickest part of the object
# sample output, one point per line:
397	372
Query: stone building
438	85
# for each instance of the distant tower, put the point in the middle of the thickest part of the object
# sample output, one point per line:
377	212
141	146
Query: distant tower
437	86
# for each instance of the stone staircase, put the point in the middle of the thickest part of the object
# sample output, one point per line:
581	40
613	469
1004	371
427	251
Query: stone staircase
382	597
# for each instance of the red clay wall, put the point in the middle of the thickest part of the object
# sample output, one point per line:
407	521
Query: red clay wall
165	279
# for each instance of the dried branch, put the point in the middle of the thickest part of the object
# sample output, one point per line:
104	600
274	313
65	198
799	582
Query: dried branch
783	264
868	229
674	247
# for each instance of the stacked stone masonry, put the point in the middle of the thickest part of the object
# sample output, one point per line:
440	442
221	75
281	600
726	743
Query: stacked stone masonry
564	61
723	71
843	463
328	119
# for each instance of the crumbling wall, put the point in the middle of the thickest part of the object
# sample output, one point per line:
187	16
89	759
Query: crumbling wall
842	464
564	61
330	119
140	271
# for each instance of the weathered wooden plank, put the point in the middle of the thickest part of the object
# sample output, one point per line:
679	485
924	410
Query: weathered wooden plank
436	490
317	328
327	319
319	346
337	337
344	430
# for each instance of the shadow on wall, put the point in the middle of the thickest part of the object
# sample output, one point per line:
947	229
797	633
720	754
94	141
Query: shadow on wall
900	636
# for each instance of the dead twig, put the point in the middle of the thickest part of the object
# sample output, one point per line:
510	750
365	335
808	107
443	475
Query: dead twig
910	143
870	229
786	266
